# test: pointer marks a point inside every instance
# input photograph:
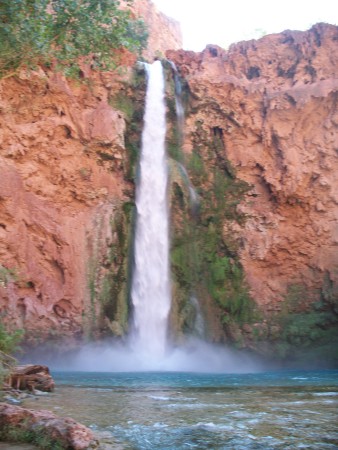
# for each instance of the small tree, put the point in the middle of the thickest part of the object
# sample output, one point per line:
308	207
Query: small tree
8	345
43	31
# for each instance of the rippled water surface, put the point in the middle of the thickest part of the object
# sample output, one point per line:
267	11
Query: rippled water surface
284	410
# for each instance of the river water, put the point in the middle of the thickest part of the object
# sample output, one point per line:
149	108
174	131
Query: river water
175	410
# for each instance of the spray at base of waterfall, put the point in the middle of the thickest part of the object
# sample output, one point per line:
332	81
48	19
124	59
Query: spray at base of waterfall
194	355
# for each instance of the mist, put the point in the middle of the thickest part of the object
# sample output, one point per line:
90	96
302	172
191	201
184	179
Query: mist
108	356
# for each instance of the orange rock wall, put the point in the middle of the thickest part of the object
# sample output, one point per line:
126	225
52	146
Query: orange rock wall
55	194
274	102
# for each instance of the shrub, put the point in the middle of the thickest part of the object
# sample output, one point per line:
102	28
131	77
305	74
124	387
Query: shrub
8	345
9	341
44	31
7	275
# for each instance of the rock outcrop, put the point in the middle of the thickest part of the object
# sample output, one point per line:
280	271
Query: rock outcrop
44	429
31	377
65	171
164	32
261	146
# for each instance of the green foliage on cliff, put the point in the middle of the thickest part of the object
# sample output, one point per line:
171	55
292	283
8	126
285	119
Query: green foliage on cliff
308	335
133	108
107	276
7	275
114	293
59	32
204	257
9	341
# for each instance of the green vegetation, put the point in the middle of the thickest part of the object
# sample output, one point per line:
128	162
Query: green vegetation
307	334
123	103
173	144
114	292
92	274
132	105
7	275
196	168
107	311
204	256
219	262
36	435
63	32
9	343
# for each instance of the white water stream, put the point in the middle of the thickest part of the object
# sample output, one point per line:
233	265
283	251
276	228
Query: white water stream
151	290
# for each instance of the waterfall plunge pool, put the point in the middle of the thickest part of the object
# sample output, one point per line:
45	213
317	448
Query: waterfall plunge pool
184	410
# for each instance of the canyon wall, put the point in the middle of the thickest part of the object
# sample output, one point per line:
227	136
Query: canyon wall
255	254
265	113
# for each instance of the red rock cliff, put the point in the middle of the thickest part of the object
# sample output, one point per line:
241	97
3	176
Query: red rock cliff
56	195
273	102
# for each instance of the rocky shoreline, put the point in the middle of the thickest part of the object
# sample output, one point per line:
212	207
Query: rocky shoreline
41	428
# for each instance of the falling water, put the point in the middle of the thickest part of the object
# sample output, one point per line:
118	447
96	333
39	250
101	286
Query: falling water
178	101
150	292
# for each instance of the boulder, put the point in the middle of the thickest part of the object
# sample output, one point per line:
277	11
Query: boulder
31	377
44	426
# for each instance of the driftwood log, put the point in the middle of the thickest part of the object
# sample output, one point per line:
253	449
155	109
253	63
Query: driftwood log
31	377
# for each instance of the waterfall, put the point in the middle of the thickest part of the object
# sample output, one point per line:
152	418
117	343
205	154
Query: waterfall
199	328
147	348
180	126
194	200
150	289
178	101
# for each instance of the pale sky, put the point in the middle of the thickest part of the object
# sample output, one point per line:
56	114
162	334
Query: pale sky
224	22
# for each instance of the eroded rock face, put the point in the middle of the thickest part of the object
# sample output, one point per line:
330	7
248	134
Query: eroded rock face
272	105
62	154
